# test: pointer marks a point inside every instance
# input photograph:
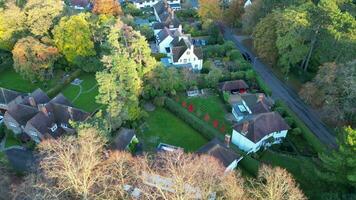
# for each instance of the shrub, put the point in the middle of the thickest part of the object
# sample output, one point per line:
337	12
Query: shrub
297	131
262	85
281	110
290	121
238	75
250	75
159	101
158	56
56	89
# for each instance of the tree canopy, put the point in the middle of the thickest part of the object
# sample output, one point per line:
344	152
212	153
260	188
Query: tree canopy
73	37
107	7
33	59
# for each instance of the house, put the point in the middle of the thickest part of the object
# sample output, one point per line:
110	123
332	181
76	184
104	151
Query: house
236	86
124	138
165	17
40	117
164	38
261	130
6	96
221	152
185	54
244	105
175	4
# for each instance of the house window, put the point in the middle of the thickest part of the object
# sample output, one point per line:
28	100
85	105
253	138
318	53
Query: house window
168	50
63	125
194	59
188	52
54	127
185	60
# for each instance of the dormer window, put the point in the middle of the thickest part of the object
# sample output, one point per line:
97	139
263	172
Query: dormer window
63	125
188	52
54	127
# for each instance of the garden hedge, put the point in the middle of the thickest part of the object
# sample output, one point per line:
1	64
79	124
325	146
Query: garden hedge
304	130
58	88
263	86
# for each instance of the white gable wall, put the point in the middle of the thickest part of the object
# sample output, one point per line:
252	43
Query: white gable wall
165	44
189	57
247	145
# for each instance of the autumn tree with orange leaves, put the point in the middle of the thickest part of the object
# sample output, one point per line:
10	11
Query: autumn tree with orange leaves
107	7
33	59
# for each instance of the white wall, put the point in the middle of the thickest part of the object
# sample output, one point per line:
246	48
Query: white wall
165	44
150	3
189	57
247	145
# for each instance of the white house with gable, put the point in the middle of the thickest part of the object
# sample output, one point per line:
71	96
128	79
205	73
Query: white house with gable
262	130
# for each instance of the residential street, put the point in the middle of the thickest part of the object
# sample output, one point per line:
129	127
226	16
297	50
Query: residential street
285	93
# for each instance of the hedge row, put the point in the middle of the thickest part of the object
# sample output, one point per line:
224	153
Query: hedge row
263	86
250	164
59	87
304	130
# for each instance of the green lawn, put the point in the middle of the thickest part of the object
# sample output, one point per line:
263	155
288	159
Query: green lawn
211	105
11	80
163	126
88	89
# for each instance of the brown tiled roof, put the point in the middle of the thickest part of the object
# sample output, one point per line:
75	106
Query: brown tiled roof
219	150
260	107
260	125
21	113
61	99
233	85
123	138
6	96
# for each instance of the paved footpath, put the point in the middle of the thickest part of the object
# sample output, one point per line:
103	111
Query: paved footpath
281	91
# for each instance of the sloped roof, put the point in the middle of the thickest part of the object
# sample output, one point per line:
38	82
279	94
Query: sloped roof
260	125
123	138
21	113
177	52
260	107
233	85
6	95
198	51
79	3
61	99
219	150
163	34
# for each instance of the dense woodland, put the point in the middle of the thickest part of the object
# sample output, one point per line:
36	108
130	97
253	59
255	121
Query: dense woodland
37	37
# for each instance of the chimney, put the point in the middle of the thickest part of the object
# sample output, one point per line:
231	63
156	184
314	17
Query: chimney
70	111
245	127
32	101
227	140
260	97
43	109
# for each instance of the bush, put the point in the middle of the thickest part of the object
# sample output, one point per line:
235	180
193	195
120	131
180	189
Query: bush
238	75
158	56
2	131
159	101
199	125
55	90
250	75
281	111
262	85
290	122
296	131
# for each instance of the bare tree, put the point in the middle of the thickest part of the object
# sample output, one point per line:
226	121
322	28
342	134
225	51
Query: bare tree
275	184
177	175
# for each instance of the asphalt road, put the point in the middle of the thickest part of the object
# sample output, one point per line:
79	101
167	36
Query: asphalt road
283	92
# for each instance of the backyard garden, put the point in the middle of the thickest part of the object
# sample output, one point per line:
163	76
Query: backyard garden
162	126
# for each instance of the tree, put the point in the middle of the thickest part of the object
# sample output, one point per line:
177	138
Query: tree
147	32
339	166
233	14
291	43
33	59
40	15
335	94
213	77
107	7
187	176
275	184
209	10
78	168
265	37
12	25
72	37
120	85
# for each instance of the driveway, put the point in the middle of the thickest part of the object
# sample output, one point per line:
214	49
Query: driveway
283	92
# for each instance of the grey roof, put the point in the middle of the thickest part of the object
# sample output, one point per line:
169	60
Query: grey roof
163	34
123	138
181	45
61	99
6	95
177	52
219	150
40	96
198	51
260	125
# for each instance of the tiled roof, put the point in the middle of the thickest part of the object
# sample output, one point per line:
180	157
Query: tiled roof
260	125
123	138
233	85
219	150
6	96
